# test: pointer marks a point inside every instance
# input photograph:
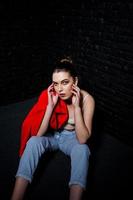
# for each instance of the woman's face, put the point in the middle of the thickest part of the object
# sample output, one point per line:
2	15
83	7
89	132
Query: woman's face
63	82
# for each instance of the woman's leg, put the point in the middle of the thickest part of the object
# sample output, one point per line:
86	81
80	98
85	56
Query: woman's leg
35	147
79	154
76	192
79	170
19	188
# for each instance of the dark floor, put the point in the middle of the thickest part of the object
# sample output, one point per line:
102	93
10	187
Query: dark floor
110	172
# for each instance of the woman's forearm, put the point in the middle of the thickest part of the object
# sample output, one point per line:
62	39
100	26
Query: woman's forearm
45	122
80	127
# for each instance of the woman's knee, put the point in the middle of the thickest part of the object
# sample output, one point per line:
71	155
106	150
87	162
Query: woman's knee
81	149
34	140
36	144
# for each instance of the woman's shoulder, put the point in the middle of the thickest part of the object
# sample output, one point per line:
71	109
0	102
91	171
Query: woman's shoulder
87	97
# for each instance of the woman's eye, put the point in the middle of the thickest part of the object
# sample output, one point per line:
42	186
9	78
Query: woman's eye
65	82
55	84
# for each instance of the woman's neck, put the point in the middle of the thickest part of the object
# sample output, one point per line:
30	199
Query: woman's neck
69	101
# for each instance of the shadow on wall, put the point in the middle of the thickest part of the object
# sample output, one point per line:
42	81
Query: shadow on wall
111	161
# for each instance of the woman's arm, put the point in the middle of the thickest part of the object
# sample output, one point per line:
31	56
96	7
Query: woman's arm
52	100
83	121
45	122
83	117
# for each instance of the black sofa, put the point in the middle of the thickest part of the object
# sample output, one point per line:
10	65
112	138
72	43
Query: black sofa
111	162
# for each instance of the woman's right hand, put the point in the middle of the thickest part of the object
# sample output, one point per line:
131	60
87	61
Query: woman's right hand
52	96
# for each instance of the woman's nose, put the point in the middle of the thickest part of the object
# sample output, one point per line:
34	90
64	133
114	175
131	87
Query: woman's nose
60	88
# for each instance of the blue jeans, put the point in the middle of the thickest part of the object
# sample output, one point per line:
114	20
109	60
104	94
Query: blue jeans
65	141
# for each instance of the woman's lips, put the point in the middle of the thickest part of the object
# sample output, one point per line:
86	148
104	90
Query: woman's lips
61	95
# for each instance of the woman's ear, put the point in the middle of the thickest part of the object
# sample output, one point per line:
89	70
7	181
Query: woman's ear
76	80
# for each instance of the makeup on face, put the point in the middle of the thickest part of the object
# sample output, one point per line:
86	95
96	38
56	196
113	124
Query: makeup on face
63	82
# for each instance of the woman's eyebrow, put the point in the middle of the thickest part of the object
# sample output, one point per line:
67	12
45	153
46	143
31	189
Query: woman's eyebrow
65	80
61	81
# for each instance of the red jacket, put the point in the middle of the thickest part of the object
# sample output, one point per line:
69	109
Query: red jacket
32	121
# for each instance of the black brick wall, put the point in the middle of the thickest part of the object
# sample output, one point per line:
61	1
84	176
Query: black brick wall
97	34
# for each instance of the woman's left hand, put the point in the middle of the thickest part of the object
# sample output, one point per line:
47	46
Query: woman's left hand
76	95
52	96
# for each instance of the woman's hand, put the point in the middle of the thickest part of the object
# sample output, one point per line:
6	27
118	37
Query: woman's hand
76	96
52	96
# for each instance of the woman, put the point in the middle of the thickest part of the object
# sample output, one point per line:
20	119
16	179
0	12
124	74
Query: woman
61	119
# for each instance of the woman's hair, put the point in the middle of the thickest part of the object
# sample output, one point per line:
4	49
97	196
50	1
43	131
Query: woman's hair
65	65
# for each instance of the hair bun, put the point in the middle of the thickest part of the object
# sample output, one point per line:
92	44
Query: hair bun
66	60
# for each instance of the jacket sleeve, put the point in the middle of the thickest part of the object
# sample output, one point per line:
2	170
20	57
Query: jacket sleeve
32	121
26	130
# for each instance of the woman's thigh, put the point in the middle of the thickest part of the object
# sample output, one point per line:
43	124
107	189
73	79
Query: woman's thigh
67	141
